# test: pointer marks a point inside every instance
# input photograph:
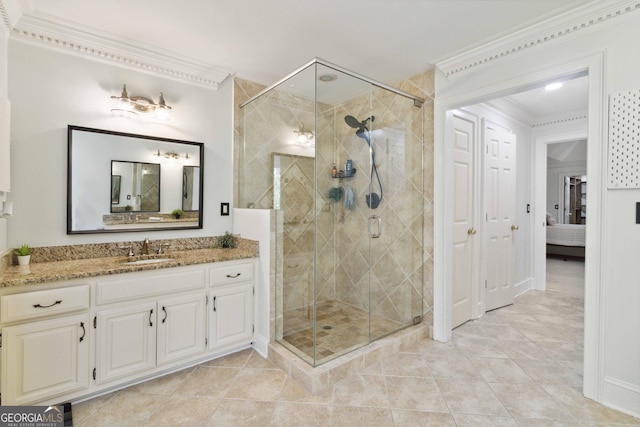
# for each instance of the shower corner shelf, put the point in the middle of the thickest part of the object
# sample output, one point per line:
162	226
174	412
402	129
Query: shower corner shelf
346	176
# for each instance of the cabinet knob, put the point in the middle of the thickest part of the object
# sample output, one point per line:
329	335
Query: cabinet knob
514	227
471	231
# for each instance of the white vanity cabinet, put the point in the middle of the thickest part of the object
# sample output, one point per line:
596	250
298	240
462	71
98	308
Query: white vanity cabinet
148	320
126	341
65	341
46	350
231	305
181	328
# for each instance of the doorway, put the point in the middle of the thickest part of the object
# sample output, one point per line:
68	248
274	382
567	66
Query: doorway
461	95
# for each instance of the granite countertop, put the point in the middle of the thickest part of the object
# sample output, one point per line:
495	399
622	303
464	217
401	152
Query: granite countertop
52	271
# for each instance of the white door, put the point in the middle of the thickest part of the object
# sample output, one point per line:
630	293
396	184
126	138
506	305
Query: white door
180	327
126	341
499	189
42	360
464	232
231	316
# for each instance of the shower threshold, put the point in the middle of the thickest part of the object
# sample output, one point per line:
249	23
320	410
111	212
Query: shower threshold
319	379
340	329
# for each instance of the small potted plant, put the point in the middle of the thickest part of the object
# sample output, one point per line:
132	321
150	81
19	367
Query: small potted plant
228	240
24	254
177	213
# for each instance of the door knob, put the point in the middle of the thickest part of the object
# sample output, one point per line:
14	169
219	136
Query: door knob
514	227
471	231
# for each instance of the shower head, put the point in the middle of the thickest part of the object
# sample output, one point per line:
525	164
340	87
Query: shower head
356	124
352	122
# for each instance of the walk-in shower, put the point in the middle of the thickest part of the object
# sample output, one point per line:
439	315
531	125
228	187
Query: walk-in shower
348	206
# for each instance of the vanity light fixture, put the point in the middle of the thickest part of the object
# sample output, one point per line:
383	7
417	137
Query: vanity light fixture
171	155
304	136
141	105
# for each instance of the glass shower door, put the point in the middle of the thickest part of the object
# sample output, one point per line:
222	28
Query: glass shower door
395	204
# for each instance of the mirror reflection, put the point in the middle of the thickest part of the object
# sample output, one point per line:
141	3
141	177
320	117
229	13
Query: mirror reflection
141	185
125	182
190	188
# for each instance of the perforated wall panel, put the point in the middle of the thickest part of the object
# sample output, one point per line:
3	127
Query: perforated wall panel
624	140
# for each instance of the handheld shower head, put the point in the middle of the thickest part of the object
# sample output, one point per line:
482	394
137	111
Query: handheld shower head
373	199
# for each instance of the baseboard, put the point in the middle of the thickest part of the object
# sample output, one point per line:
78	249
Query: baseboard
523	286
261	345
621	396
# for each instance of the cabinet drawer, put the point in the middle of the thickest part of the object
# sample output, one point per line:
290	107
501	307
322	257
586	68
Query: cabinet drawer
31	305
231	273
159	283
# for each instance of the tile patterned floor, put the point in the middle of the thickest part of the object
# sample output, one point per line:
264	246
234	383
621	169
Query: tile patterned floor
341	328
517	366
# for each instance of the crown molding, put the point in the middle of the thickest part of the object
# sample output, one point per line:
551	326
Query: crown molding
511	109
575	116
54	33
10	11
576	20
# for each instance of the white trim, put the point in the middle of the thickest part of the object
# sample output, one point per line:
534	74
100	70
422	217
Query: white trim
596	166
261	345
560	119
55	33
539	252
523	287
615	390
574	20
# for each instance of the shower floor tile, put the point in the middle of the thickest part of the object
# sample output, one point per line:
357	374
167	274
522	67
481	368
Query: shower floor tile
340	327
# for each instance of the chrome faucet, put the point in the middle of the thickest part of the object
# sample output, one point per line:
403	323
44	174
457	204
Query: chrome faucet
145	247
129	248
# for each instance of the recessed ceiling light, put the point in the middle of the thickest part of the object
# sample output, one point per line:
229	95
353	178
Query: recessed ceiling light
553	86
327	77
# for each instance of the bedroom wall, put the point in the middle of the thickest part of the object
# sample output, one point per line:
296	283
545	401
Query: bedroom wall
51	89
612	346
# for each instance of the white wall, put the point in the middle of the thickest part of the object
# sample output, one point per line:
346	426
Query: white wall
612	314
3	94
51	89
255	224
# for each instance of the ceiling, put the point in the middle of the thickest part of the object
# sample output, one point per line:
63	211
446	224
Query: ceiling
263	41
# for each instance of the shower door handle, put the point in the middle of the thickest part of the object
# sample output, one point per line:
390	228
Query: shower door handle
378	221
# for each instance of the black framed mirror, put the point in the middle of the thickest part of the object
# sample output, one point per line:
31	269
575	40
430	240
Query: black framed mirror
121	182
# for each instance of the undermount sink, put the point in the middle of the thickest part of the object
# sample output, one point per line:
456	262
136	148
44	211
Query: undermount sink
148	261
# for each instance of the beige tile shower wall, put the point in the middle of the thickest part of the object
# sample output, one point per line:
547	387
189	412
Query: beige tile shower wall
336	240
384	274
271	120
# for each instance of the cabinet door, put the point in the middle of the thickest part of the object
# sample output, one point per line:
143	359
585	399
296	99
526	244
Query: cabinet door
41	360
126	339
231	315
180	327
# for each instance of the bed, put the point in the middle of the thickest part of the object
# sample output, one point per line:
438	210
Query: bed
566	239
